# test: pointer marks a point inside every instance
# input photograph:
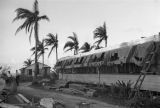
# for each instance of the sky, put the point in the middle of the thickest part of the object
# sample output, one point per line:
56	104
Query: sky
125	20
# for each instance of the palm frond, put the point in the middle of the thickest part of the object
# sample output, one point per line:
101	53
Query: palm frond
100	33
35	6
85	47
69	44
40	48
30	34
98	41
21	27
74	44
51	41
28	62
50	51
39	54
44	17
98	47
50	35
56	41
48	42
104	26
22	14
26	25
72	38
32	49
76	38
74	34
69	49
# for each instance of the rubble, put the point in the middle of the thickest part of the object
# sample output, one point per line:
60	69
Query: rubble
4	105
90	93
83	105
77	86
51	103
47	102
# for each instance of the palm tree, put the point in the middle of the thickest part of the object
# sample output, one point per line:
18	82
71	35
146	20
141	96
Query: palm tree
28	62
40	50
97	47
31	22
72	45
86	47
52	41
101	34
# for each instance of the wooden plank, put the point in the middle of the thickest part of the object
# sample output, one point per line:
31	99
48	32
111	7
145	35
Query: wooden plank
4	105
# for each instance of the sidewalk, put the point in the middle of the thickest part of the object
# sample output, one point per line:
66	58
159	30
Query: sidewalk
69	100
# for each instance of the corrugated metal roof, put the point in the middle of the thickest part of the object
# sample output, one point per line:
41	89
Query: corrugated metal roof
131	43
32	66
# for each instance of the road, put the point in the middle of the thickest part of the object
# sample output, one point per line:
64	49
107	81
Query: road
69	100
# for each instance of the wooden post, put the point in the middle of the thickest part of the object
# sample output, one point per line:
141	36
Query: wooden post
62	73
99	78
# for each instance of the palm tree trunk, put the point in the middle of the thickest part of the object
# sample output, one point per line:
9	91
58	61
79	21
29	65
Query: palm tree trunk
43	70
106	42
36	44
74	52
56	54
56	51
43	60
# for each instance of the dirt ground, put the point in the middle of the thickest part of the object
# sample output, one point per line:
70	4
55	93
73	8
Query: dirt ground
70	101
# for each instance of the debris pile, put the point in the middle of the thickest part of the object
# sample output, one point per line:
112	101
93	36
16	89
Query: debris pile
51	103
83	105
70	88
19	101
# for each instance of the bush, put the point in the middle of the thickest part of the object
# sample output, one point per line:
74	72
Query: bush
120	89
144	100
24	78
102	91
35	83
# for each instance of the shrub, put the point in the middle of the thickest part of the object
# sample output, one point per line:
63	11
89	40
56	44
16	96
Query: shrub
24	78
121	89
144	100
35	83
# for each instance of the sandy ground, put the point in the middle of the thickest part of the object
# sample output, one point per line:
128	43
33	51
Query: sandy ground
69	100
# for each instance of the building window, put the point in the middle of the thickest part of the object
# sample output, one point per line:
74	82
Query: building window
114	57
30	71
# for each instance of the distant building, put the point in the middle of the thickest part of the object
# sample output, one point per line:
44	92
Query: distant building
30	70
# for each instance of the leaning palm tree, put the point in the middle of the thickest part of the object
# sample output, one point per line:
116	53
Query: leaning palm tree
31	23
52	41
97	46
72	45
101	34
28	62
86	47
40	50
